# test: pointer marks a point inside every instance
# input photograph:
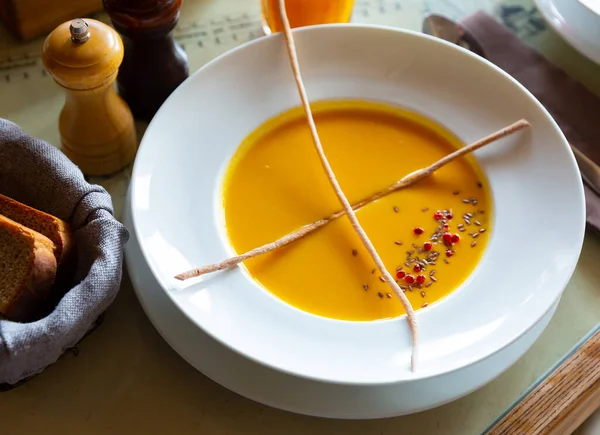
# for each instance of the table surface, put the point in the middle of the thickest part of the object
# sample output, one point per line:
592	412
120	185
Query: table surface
126	379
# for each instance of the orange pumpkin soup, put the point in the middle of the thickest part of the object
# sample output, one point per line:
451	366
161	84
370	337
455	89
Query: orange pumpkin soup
430	235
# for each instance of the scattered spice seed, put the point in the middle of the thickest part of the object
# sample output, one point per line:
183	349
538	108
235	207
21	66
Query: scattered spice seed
427	246
411	252
466	201
425	209
418	230
400	274
473	244
422	294
480	212
366	286
456	192
479	184
429	284
373	271
410	288
475	235
474	202
477	223
446	261
433	278
389	295
432	272
407	264
409	279
380	295
396	210
354	252
398	242
421	279
462	230
425	304
403	287
482	230
382	279
461	225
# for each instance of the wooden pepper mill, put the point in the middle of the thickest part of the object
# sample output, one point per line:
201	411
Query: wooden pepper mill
154	63
96	126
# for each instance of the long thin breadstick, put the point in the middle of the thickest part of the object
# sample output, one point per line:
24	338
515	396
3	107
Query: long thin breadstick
410	312
398	185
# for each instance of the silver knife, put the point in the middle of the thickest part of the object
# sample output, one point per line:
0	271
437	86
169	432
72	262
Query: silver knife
451	31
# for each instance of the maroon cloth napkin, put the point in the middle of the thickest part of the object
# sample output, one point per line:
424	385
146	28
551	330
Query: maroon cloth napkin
573	107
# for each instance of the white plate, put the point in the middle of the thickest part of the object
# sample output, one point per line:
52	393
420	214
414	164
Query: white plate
291	393
537	193
578	21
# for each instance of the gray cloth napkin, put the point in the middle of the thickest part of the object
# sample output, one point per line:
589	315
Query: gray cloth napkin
36	173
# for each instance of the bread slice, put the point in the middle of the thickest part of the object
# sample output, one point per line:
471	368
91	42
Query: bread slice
52	227
27	270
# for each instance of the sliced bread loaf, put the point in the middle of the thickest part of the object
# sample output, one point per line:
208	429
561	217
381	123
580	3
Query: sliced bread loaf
55	229
27	270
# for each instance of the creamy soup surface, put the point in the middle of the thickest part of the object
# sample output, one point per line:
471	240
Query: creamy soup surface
275	184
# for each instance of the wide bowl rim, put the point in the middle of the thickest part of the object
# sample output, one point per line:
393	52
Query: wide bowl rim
383	28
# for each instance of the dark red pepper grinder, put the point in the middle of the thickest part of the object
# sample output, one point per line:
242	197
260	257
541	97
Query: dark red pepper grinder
154	64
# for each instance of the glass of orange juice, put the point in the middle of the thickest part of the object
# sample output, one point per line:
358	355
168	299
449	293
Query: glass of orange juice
305	13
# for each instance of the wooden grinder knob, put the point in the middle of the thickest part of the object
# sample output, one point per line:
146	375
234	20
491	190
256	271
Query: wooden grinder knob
96	126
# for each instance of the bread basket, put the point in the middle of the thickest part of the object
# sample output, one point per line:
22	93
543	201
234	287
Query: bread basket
38	174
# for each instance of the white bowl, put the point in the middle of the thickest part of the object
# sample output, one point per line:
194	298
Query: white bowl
537	194
578	21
